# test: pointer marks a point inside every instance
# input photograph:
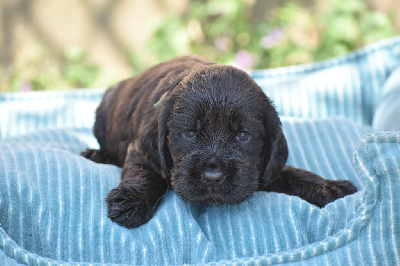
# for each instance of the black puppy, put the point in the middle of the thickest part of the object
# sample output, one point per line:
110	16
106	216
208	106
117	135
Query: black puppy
205	130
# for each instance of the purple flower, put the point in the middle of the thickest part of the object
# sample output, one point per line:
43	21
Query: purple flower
273	38
26	87
222	44
246	60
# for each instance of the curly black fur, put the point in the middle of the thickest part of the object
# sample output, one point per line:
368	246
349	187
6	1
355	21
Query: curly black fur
205	130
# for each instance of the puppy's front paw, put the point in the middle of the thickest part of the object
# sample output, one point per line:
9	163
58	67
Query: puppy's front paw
127	207
333	190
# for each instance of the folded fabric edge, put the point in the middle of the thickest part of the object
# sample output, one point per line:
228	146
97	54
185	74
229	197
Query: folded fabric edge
361	218
308	67
83	93
20	255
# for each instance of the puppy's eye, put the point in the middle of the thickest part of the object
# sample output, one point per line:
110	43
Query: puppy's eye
189	135
243	137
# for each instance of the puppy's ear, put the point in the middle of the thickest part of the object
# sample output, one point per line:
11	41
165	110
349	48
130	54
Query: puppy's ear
163	151
154	134
153	140
276	159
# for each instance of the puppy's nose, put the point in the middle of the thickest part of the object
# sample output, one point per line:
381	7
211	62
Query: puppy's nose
213	177
212	165
212	173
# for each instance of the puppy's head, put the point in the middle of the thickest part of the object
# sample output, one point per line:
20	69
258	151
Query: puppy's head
224	136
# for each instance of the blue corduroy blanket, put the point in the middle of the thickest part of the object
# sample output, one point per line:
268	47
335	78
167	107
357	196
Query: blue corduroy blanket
52	208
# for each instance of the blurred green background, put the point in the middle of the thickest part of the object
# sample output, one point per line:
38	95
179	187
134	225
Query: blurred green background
58	44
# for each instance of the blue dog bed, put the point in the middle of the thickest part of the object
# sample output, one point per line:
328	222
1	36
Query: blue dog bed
337	116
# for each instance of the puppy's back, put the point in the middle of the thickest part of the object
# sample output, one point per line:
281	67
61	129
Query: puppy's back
128	104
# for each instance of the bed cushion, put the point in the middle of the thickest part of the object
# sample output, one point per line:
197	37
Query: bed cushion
52	208
52	205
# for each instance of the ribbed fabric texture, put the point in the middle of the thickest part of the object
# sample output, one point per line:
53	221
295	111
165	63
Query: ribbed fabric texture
348	86
23	113
387	114
52	205
52	208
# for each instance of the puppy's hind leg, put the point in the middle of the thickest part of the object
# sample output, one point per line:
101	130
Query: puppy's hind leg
97	156
310	187
100	129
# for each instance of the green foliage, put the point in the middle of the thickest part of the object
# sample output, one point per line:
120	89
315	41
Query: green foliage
226	32
223	31
43	71
77	71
